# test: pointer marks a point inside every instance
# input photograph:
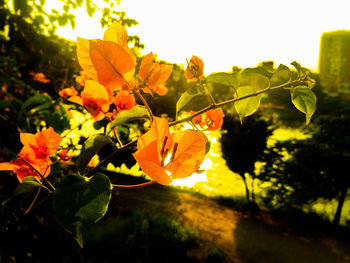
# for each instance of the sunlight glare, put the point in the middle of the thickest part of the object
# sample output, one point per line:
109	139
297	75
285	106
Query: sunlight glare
225	33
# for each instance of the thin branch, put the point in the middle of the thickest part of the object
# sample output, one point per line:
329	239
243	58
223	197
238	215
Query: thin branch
144	103
219	104
187	119
33	202
110	157
210	96
40	175
133	186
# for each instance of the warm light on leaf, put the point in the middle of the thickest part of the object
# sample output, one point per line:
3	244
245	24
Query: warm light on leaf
117	34
189	153
159	130
111	62
154	74
186	150
83	53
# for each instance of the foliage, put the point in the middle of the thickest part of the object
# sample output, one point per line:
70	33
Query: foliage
303	171
243	144
113	90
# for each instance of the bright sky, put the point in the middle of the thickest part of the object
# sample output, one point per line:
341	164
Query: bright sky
228	32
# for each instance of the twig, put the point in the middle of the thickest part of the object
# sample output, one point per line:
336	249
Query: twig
40	175
133	186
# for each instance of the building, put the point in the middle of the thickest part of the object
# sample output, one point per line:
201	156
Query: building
334	61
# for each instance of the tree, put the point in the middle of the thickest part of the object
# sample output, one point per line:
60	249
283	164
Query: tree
317	166
242	145
112	77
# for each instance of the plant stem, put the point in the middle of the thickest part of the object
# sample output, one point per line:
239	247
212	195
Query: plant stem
210	96
33	202
134	185
117	137
219	104
40	175
110	158
137	91
188	119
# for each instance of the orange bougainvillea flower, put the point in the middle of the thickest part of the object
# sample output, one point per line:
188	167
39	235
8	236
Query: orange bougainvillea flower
194	70
22	169
37	148
109	61
68	92
188	155
154	75
186	150
153	146
39	77
124	101
82	78
94	98
210	120
63	155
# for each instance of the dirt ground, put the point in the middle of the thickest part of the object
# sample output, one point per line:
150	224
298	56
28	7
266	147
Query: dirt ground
242	238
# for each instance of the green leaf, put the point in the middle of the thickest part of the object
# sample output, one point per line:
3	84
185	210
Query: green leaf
304	100
59	119
34	101
66	8
249	105
72	21
90	10
91	147
257	70
106	11
23	6
301	70
135	113
62	20
28	184
228	79
194	98
251	83
280	76
5	104
79	201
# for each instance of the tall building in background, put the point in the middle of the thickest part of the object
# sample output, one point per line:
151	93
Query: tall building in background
334	62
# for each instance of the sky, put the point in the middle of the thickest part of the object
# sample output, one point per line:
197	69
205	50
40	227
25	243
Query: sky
225	33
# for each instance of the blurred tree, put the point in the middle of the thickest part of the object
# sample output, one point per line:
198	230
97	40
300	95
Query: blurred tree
242	144
29	45
302	171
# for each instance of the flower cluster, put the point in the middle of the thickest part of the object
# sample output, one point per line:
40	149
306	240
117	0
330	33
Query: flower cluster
108	74
165	156
211	120
34	156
